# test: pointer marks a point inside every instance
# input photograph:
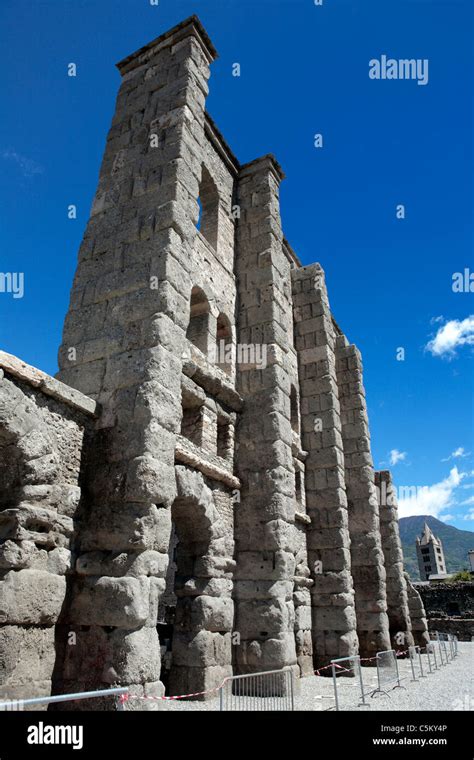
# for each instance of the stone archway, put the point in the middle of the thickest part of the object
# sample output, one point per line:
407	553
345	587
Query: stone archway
201	644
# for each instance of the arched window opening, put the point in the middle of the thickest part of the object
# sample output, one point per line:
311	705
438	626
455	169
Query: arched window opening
198	328
294	416
208	202
224	356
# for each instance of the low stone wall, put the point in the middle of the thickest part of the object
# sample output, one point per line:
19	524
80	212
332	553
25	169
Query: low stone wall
449	607
448	599
463	628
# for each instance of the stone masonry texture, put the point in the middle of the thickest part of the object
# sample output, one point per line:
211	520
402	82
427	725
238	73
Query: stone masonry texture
194	496
397	593
367	561
449	607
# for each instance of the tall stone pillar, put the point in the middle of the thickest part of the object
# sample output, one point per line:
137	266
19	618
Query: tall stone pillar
333	615
367	560
122	344
264	518
419	623
397	596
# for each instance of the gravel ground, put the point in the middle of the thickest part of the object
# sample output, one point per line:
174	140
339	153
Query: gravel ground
451	687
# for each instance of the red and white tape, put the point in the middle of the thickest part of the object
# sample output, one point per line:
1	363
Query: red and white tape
126	697
398	653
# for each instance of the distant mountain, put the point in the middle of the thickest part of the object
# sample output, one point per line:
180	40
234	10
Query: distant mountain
456	543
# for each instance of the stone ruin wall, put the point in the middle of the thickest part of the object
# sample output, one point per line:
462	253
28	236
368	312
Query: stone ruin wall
221	498
449	607
44	434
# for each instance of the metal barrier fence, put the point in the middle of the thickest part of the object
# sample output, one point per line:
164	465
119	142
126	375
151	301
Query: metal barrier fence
274	689
453	645
266	691
387	671
431	655
445	638
350	679
447	645
436	640
416	663
67	698
439	651
443	650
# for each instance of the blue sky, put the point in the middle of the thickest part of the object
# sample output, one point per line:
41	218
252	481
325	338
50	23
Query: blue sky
304	70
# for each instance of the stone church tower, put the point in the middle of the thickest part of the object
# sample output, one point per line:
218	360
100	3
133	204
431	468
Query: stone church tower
430	554
201	471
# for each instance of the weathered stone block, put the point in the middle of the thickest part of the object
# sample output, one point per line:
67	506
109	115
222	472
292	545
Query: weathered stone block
118	602
31	597
205	612
302	618
27	657
202	649
266	655
263	618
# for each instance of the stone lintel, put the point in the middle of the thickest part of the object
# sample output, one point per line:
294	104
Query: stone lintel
187	453
48	385
211	380
191	392
187	28
195	396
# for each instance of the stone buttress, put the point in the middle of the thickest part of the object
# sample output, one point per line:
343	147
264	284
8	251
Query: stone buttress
367	560
397	595
123	341
328	542
265	516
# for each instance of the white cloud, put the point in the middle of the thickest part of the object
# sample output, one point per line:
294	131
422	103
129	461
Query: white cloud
27	166
397	456
459	453
470	500
451	336
446	518
470	515
429	500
